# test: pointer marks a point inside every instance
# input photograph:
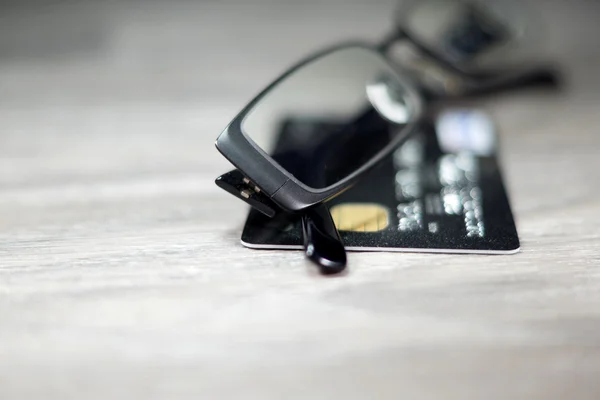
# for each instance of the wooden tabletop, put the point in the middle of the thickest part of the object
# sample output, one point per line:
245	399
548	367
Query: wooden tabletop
121	271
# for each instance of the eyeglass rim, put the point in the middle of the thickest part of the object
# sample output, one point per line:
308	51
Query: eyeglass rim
281	186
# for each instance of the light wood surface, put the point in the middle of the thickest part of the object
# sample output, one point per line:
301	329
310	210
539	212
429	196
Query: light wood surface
121	272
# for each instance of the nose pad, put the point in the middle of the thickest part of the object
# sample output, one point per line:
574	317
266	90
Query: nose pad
388	98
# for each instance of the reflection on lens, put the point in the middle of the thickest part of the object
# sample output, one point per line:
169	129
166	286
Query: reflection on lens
387	98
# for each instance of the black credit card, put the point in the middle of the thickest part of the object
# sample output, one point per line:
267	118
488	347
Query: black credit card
442	191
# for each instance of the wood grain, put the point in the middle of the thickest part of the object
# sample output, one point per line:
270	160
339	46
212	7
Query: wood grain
121	273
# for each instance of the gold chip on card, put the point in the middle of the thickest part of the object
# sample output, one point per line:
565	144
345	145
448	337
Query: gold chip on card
360	217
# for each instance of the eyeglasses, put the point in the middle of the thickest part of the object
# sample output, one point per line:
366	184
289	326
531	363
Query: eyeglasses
365	105
370	109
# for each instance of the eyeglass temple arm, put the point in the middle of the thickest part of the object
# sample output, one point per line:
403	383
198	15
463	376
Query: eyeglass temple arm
322	242
481	82
537	76
235	183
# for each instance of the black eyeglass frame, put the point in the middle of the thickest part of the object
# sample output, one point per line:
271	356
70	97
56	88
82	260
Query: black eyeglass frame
282	187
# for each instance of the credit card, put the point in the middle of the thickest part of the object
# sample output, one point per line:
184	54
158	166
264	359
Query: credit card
440	192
